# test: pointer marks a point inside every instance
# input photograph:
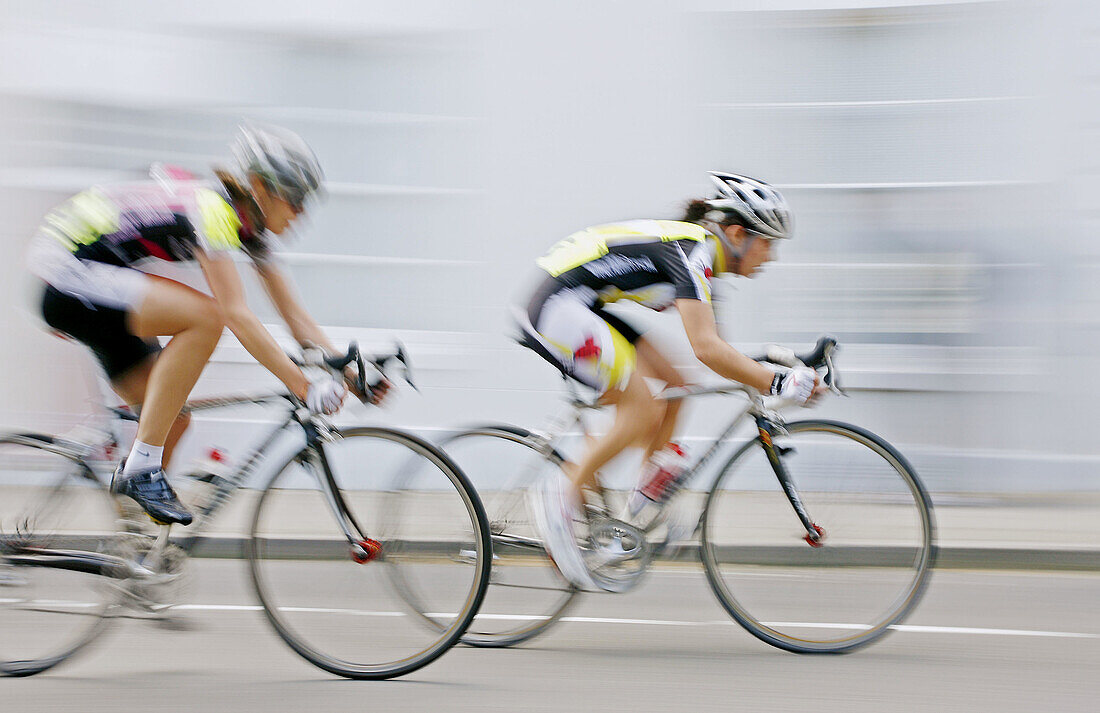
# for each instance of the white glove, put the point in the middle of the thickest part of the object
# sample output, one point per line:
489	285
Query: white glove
796	385
325	396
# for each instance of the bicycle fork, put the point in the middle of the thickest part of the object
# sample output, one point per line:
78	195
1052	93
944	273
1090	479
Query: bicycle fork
363	549
815	534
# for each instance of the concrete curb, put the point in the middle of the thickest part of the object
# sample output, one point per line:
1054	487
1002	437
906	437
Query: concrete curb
946	556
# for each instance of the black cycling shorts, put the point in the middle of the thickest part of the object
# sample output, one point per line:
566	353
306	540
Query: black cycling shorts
101	329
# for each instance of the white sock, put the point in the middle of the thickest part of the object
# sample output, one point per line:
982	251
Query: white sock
143	458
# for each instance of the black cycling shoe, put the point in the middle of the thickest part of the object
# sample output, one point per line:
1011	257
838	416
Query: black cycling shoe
153	493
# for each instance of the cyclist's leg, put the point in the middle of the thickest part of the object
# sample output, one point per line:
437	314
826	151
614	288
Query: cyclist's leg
131	386
124	311
590	350
194	323
637	415
602	355
653	364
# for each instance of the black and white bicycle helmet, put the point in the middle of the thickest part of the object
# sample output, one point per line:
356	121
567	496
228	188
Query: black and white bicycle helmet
282	159
761	208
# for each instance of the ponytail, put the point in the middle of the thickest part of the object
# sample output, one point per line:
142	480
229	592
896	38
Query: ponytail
695	211
242	198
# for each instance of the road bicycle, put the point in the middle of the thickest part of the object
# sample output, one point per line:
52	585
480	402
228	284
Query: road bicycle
816	536
341	508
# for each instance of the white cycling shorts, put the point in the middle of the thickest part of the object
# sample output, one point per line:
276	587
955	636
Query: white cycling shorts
97	283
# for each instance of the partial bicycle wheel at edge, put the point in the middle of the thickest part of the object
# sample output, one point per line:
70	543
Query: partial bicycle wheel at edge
873	561
527	594
58	531
413	509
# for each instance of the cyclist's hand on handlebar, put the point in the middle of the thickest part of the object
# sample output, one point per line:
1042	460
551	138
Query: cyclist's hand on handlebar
819	389
325	396
368	393
800	385
378	391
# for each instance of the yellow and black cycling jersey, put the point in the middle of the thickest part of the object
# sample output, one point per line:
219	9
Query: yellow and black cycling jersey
651	262
127	224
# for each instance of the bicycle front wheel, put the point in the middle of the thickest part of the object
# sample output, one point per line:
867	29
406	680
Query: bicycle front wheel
58	543
411	512
871	564
527	594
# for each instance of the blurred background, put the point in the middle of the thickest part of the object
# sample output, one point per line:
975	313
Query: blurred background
940	157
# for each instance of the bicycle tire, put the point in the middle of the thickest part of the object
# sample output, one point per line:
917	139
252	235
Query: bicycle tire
320	555
845	562
521	567
54	513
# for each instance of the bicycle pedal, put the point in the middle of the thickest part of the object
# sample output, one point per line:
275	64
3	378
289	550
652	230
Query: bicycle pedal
365	551
820	541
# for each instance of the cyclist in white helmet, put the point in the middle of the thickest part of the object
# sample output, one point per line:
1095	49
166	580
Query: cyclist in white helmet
658	264
91	252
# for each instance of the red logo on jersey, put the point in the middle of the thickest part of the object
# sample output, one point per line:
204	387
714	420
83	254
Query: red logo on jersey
708	273
590	350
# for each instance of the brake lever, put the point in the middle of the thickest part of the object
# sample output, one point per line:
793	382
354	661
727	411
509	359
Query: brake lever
832	380
401	356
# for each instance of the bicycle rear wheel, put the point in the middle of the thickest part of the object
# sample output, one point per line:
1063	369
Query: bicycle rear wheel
57	540
527	594
420	526
873	561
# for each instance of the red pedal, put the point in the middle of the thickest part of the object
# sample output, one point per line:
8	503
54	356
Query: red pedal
820	541
371	550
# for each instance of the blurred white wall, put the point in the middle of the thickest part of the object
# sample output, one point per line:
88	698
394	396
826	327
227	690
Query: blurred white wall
940	158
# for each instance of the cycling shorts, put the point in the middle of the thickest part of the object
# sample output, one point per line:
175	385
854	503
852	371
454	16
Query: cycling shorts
89	301
101	328
584	342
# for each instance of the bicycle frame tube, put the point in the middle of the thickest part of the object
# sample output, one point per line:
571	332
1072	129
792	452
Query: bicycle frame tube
226	487
714	446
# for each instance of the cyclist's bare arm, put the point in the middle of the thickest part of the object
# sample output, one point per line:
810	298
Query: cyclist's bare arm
280	289
225	283
715	352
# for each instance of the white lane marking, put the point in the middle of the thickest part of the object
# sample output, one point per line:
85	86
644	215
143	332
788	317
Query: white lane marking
990	632
608	620
218	607
810	625
51	603
297	610
907	628
513	617
916	629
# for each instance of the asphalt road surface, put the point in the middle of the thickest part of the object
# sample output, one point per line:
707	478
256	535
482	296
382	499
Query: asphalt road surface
980	641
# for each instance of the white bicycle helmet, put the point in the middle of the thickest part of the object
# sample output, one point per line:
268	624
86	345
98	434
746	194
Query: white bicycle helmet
287	165
762	208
